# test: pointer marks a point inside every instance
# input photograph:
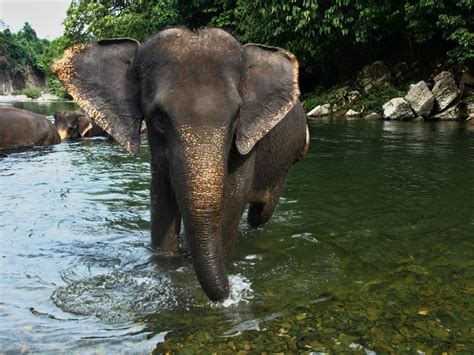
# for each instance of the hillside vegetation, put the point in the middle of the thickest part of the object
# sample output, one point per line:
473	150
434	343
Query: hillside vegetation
332	39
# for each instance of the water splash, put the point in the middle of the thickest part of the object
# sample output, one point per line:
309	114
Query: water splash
240	291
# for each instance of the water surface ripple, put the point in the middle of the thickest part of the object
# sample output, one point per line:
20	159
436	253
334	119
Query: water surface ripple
76	272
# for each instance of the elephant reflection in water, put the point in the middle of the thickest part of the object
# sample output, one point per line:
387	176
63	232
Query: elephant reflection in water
224	126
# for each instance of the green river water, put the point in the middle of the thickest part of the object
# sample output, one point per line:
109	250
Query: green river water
371	249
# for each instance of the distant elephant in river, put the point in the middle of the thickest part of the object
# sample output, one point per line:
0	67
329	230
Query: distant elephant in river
22	128
224	126
76	124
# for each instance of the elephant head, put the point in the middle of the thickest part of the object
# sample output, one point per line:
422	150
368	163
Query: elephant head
72	124
204	97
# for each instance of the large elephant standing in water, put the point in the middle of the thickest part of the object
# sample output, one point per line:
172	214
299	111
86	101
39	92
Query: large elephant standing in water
224	126
21	128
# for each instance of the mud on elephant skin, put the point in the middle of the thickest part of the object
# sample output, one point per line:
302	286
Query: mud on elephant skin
21	128
76	124
224	126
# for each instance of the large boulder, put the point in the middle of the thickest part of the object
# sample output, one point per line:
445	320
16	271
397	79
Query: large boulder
469	101
373	74
454	113
445	90
420	98
398	109
320	110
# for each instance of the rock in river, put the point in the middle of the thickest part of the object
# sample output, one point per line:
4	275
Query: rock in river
352	113
398	109
445	90
453	113
373	116
320	110
420	98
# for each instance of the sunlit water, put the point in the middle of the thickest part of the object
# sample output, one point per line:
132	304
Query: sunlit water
76	272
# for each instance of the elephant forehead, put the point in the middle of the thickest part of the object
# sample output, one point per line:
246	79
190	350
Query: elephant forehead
193	101
214	136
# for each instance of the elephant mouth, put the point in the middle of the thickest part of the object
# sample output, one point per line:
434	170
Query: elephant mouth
63	134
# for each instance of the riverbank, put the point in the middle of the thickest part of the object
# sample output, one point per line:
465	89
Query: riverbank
46	97
399	92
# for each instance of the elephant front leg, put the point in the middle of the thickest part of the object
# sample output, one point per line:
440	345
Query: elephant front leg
261	211
165	216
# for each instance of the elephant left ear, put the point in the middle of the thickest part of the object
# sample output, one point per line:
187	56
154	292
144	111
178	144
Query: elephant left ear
84	125
101	80
269	90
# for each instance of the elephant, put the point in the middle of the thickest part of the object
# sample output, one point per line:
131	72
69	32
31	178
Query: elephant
224	125
76	124
22	128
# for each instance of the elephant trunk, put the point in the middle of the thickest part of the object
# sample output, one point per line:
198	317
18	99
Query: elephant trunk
206	251
199	192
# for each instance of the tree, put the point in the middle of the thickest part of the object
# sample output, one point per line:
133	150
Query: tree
90	20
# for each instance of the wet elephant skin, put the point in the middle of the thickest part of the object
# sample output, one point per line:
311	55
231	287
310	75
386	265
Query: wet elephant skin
224	126
21	128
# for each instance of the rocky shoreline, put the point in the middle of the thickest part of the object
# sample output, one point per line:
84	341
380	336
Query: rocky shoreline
46	97
444	96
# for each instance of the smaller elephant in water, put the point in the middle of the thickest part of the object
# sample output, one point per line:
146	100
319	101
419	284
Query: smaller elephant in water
76	124
22	128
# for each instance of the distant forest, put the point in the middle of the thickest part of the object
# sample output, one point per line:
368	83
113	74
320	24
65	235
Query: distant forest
331	38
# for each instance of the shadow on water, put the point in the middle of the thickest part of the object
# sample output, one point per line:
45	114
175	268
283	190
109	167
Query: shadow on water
370	248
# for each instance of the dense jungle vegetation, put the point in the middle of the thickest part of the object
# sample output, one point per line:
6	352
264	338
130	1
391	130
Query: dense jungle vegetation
331	38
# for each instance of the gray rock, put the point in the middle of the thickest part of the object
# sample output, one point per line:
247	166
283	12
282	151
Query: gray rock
352	113
453	113
469	101
373	116
419	119
420	98
373	74
320	110
353	96
445	90
398	109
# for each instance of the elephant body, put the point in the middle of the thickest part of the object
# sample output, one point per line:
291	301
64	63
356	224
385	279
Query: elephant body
76	124
224	125
22	128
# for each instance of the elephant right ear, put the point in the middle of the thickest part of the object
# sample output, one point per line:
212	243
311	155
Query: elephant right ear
99	77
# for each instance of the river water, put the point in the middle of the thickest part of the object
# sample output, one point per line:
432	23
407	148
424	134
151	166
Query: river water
370	248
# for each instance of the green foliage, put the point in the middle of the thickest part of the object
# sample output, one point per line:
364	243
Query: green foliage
376	98
22	49
319	96
451	20
88	20
367	102
32	92
327	35
53	51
